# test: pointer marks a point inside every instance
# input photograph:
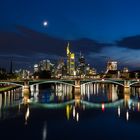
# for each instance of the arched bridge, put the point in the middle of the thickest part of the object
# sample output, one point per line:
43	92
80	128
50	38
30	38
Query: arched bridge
121	82
35	82
66	82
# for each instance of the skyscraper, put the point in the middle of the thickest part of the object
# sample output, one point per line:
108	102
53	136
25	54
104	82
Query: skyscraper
36	68
81	65
45	65
70	61
111	65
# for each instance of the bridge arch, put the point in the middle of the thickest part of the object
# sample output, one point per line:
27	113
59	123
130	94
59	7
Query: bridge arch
103	81
12	83
59	82
137	82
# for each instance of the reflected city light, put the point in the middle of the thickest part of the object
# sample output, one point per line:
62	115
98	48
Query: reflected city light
68	112
119	111
77	116
27	114
19	108
84	107
133	106
103	107
73	112
127	98
127	115
138	106
0	105
44	134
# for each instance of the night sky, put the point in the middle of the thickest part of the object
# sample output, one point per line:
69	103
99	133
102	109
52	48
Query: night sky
101	29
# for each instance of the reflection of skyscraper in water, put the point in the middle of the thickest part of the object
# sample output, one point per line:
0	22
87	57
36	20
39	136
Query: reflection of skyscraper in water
127	97
27	114
112	92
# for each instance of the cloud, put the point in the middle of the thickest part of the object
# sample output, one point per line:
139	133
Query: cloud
87	45
132	42
27	47
27	41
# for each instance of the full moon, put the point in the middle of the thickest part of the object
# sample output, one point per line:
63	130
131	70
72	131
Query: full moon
45	23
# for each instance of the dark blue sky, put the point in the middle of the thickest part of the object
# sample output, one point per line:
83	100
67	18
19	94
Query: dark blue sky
102	29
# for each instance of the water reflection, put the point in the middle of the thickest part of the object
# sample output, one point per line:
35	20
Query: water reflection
53	111
99	92
27	114
44	133
96	95
119	111
127	115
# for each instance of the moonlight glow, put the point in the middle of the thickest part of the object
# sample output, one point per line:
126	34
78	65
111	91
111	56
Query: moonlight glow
45	23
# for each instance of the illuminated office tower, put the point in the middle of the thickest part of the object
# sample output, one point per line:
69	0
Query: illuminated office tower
36	68
44	65
82	65
70	61
111	65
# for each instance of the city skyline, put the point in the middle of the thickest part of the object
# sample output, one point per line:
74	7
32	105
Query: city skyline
69	69
101	30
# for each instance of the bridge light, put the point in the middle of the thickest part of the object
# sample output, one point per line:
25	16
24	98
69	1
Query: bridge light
103	107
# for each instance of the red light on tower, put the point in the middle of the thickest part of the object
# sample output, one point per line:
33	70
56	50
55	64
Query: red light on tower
103	107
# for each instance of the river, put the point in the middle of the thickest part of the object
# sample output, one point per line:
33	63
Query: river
58	111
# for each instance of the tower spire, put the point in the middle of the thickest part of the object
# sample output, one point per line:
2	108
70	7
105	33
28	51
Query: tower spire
68	48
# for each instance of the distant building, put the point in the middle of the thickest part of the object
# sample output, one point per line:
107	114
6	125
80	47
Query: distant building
125	70
111	65
90	71
70	61
81	65
113	74
36	68
25	74
22	74
59	69
44	65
